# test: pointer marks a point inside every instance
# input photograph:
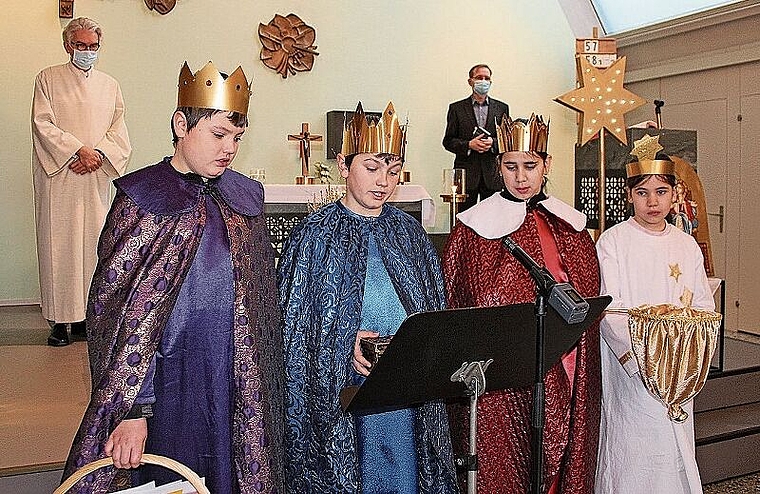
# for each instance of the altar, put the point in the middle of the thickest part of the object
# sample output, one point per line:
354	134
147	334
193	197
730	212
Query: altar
286	205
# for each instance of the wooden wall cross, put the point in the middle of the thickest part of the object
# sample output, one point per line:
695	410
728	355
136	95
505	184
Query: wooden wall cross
305	138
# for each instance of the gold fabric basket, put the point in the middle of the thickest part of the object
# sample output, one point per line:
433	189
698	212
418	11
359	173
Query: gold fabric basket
673	347
163	461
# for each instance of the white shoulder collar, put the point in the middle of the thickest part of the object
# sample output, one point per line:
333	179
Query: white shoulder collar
496	216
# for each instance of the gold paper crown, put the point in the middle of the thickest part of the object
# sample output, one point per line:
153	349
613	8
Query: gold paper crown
530	135
365	134
209	89
645	149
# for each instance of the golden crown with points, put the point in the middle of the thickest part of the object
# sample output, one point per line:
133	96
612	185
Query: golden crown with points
531	135
366	134
209	89
645	149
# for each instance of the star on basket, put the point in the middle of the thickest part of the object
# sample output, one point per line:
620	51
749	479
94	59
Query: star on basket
686	297
647	147
602	100
287	45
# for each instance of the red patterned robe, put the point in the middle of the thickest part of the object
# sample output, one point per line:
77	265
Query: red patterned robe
480	272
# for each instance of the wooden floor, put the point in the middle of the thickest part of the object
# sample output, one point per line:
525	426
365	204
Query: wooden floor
44	391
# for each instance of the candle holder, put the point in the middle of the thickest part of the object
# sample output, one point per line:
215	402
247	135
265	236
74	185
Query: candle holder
259	174
453	191
305	180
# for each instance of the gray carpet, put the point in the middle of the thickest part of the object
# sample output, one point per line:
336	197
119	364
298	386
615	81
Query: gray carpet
749	484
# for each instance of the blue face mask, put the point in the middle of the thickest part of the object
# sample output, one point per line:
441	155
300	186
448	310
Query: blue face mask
84	59
481	87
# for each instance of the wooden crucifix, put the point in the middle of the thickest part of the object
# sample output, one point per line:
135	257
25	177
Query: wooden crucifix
305	138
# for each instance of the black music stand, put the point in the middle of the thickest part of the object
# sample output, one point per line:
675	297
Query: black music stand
431	348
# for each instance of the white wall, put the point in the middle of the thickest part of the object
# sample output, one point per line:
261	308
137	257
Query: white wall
415	53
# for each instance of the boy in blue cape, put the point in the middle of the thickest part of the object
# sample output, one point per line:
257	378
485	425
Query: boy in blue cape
356	268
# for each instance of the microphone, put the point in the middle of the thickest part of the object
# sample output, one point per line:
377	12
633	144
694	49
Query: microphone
563	298
658	104
543	278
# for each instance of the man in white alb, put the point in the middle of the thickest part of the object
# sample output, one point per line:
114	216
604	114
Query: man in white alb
80	143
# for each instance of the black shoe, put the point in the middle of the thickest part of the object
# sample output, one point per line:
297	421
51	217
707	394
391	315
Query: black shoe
79	331
59	336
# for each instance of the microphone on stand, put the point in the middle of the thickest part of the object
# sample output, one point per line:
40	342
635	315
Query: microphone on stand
658	104
563	298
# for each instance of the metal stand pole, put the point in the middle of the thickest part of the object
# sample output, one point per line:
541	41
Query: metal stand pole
453	200
473	374
602	182
539	401
472	474
452	213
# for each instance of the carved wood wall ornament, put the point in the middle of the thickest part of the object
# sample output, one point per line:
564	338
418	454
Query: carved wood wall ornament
163	7
287	45
66	9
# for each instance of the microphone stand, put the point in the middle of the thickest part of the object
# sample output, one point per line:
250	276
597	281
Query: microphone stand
544	283
572	308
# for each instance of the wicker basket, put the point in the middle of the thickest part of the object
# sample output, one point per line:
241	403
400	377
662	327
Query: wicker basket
174	465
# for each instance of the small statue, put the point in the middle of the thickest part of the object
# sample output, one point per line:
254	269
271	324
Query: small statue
684	209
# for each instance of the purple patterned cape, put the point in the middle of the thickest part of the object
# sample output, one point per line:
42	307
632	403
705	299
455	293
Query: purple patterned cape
148	243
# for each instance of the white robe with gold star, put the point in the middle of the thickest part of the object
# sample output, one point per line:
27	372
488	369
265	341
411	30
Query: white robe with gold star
640	449
69	110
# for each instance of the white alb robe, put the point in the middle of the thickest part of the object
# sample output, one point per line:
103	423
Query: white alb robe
641	451
71	109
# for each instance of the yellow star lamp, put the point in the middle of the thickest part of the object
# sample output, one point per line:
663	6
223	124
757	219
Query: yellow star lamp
602	100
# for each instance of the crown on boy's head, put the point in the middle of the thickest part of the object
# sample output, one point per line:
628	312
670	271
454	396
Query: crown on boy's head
209	89
365	134
646	149
531	135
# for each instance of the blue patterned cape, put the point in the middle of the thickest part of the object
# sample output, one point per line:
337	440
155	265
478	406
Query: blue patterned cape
321	280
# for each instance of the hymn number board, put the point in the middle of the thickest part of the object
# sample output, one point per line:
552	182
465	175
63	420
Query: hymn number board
600	52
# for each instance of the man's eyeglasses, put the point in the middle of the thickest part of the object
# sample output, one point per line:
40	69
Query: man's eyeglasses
85	46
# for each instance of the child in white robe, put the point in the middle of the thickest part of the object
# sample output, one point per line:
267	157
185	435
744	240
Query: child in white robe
645	260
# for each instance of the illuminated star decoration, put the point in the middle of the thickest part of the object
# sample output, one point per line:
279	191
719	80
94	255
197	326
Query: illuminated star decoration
602	100
675	271
646	148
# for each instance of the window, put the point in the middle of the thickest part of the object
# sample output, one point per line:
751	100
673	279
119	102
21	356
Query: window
618	16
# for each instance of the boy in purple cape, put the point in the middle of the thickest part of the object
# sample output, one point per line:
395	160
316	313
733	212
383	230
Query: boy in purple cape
183	325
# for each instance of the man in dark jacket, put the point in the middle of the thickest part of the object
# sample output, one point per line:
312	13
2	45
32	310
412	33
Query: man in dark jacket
470	131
